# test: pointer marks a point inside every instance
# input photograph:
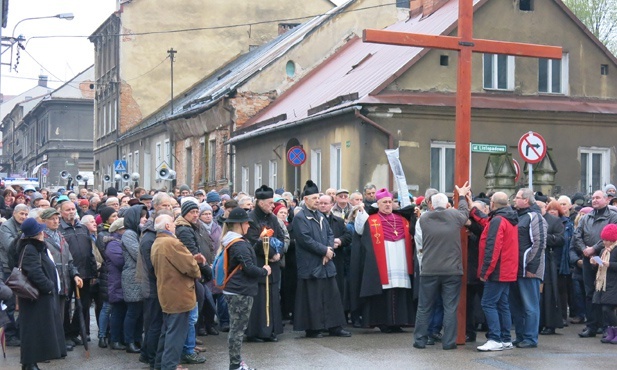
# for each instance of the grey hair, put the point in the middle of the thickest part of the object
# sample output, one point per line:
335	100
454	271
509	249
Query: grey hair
158	198
528	195
429	193
287	194
111	199
242	201
94	199
565	198
21	207
369	186
86	217
356	193
161	221
439	200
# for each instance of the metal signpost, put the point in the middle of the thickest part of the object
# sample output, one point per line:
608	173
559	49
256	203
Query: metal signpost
296	156
532	149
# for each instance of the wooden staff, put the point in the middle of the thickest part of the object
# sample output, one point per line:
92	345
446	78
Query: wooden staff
266	245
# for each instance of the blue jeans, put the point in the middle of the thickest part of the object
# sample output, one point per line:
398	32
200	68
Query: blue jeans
189	343
104	318
437	317
497	310
222	310
133	322
525	307
116	322
169	352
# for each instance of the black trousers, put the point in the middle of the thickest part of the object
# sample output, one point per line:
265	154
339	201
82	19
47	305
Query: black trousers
71	323
153	322
594	311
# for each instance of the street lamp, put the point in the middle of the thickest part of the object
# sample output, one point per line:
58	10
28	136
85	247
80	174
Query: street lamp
67	16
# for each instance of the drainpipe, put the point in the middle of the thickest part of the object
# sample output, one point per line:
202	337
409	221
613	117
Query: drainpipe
384	131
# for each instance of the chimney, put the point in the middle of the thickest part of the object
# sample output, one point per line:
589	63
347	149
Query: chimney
43	80
431	6
415	7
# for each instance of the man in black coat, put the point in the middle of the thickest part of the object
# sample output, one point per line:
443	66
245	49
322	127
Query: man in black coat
318	300
260	218
342	240
78	238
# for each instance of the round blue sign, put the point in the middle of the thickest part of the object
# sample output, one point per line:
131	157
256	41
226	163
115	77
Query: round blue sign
44	171
296	156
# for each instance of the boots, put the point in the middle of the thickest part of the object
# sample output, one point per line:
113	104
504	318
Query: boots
611	335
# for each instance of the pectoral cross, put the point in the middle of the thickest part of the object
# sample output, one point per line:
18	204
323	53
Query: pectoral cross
376	235
395	232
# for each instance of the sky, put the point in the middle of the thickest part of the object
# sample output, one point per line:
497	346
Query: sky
59	58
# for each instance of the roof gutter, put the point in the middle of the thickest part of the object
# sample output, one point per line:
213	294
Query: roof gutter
274	128
384	131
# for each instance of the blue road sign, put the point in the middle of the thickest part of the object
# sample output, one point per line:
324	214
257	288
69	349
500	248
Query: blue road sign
120	166
44	171
296	156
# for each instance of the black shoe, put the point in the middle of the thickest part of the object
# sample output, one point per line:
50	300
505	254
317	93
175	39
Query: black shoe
143	359
212	331
117	345
201	332
13	342
419	345
272	338
470	338
448	347
102	343
30	367
314	334
430	341
77	341
436	336
587	333
132	348
340	332
254	340
547	331
69	347
357	323
88	338
526	344
225	328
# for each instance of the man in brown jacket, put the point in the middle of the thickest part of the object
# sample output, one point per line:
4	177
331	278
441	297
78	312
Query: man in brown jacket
174	267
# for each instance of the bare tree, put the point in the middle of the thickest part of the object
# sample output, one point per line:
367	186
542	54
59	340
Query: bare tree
600	16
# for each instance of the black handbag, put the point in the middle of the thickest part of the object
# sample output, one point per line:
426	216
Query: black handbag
19	283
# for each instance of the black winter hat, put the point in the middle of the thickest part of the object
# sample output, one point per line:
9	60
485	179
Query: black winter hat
105	212
187	207
310	188
237	215
112	192
264	192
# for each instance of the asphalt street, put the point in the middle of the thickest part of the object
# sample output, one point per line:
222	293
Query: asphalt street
366	349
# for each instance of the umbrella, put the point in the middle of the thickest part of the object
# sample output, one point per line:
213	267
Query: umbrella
82	323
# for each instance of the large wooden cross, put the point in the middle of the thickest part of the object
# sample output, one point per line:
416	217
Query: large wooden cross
465	44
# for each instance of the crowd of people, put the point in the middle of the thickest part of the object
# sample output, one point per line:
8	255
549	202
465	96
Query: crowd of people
322	261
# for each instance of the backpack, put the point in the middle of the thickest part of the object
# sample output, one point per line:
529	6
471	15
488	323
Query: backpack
13	252
220	267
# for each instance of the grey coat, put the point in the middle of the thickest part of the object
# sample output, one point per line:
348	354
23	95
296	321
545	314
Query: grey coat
441	240
131	287
8	232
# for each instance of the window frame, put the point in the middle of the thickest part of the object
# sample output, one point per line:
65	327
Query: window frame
564	78
510	72
605	168
316	163
443	146
273	174
336	165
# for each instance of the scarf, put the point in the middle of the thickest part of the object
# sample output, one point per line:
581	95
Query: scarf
55	235
208	226
601	274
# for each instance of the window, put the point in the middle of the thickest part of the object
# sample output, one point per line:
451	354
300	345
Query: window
189	166
245	180
498	72
105	131
553	75
167	153
273	174
443	60
136	163
442	166
129	163
335	165
109	117
212	160
525	5
114	120
316	167
402	4
257	175
159	155
595	169
604	69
